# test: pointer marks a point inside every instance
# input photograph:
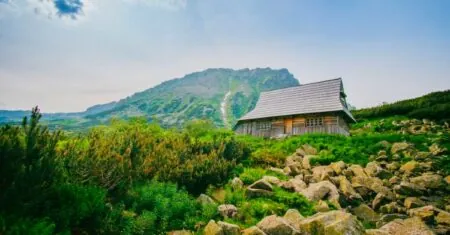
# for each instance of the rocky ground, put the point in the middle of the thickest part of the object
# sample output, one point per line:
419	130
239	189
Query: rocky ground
401	191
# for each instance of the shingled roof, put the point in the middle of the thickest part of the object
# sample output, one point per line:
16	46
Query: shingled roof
317	97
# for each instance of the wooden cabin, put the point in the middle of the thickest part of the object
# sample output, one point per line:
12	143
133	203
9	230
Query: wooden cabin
318	107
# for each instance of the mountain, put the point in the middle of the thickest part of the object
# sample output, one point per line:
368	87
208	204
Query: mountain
221	95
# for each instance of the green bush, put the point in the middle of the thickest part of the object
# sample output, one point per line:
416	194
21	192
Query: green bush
250	175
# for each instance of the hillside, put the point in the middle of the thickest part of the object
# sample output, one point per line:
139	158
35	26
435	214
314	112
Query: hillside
391	176
221	95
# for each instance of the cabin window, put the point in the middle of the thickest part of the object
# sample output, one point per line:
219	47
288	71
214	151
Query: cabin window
317	121
264	126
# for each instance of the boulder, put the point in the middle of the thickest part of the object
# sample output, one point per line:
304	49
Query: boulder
261	184
436	150
322	173
321	206
236	183
447	179
413	202
373	184
409	226
347	190
306	161
421	156
297	184
259	188
357	171
229	229
386	218
443	217
205	200
294	218
322	190
426	213
295	168
372	169
428	180
376	232
400	146
365	213
275	225
309	150
392	208
253	231
271	179
393	166
338	167
227	210
379	200
332	223
293	159
180	232
278	170
410	167
408	189
212	228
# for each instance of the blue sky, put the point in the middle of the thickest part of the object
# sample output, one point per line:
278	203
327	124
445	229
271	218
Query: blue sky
66	55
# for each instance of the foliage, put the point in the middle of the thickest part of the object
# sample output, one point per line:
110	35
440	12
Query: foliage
435	106
250	175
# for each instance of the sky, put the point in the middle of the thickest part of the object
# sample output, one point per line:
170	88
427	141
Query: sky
67	55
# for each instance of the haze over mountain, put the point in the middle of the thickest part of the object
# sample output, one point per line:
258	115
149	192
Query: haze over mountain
221	95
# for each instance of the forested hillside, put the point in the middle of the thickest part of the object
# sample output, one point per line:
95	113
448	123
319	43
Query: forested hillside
133	177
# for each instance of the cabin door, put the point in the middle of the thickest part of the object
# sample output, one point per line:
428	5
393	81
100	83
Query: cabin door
288	126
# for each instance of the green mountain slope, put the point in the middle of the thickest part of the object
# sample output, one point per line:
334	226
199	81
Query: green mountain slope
221	95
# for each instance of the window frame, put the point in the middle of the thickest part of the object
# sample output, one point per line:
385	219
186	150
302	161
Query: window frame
314	121
264	126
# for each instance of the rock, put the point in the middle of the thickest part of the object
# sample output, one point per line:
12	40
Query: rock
386	218
252	193
332	223
237	183
413	202
392	208
436	150
295	169
205	199
274	225
447	179
379	200
372	183
393	166
408	189
271	180
229	229
347	190
322	190
322	173
443	217
372	169
410	167
400	146
338	167
227	210
212	228
293	159
376	232
357	171
309	150
261	184
428	180
394	180
306	163
297	184
294	218
180	232
300	152
411	226
365	213
321	206
426	213
421	156
253	231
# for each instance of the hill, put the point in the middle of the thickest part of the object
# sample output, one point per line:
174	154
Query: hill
391	176
221	95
